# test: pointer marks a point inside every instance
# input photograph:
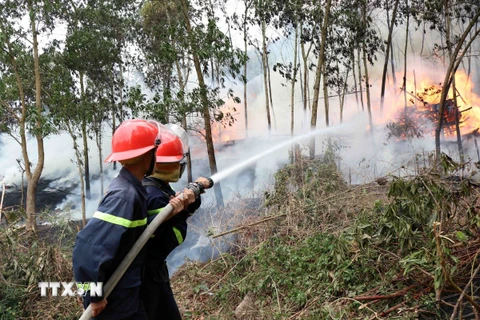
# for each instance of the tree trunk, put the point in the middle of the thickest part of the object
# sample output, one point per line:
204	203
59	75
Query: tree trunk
270	91
182	84
387	53
245	44
34	177
189	155
78	155
313	120
392	65
455	61
320	69
360	78
292	94
457	124
294	79
355	87
454	89
265	77
325	100
98	139
305	74
343	94
86	162
325	97
404	83
367	81
114	127
205	107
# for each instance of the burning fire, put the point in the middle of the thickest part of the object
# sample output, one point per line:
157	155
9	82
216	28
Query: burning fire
230	128
420	116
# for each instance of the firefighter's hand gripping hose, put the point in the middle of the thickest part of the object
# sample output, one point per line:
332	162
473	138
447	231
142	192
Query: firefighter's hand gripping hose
198	188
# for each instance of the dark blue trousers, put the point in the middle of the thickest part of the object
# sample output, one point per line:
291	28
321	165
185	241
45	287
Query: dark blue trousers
157	295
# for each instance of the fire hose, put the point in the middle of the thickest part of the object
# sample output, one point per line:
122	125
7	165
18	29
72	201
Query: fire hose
197	189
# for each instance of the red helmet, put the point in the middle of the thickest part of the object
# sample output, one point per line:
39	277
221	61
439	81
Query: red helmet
171	148
133	138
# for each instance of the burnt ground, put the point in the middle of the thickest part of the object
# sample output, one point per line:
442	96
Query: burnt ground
47	197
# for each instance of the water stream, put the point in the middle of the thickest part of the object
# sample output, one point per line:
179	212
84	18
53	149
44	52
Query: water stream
225	173
198	246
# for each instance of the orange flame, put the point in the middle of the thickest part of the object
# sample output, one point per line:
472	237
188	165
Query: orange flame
423	105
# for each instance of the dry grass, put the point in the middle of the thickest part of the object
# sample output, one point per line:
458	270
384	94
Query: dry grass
295	217
26	260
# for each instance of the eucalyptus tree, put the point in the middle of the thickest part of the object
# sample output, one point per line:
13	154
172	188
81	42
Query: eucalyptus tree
243	22
166	66
61	98
290	17
21	86
365	18
265	13
185	31
325	12
388	48
96	51
85	56
205	41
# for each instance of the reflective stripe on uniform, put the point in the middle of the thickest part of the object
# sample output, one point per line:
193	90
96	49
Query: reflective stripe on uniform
110	218
154	211
178	234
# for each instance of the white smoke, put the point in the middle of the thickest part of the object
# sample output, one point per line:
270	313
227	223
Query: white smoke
362	157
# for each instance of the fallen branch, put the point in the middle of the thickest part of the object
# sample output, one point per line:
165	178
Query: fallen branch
283	214
455	310
437	232
386	312
248	225
387	296
304	309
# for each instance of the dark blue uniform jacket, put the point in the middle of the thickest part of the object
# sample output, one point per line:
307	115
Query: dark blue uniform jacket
170	233
118	222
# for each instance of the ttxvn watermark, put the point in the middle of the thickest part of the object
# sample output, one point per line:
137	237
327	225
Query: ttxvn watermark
71	289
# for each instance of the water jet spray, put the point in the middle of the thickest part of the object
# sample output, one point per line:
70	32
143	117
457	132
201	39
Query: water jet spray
225	173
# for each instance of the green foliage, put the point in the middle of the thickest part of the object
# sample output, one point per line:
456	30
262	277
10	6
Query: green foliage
11	301
317	269
172	37
306	180
26	260
294	272
408	226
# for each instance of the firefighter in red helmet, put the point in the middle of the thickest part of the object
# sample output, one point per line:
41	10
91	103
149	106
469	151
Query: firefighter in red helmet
120	219
156	292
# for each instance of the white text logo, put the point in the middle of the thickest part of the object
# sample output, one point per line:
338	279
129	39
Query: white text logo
71	289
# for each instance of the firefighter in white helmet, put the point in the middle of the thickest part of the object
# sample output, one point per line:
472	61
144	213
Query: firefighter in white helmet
156	292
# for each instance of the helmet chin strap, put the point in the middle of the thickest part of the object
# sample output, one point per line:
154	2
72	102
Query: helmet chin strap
152	162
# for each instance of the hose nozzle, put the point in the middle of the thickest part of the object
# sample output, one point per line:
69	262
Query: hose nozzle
211	183
198	188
